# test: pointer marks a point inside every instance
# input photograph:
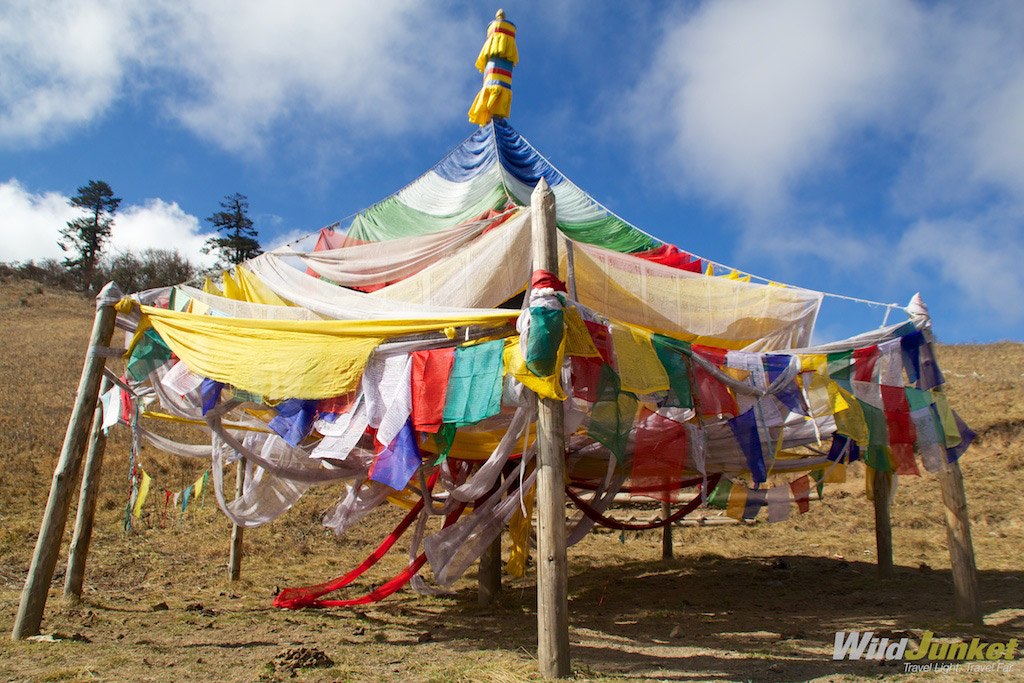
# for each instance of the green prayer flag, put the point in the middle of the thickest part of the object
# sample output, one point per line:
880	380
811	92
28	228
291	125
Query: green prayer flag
719	498
673	355
149	353
611	418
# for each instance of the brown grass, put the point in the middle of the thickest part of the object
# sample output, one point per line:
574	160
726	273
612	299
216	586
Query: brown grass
758	602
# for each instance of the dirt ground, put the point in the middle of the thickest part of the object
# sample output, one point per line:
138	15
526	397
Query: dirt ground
758	602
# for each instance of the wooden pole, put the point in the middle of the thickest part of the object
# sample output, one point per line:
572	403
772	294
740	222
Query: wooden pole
489	570
882	486
44	559
86	503
666	533
961	549
552	562
235	560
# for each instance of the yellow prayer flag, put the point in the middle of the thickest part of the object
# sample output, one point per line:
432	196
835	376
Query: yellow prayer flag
197	488
140	499
837	475
210	288
639	368
953	437
710	270
737	501
519	534
578	339
549	386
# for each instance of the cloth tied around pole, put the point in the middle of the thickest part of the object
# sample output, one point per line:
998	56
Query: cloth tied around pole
542	327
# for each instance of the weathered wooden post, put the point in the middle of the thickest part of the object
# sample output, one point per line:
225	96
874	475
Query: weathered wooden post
86	503
552	563
44	559
961	548
666	533
235	559
882	486
489	569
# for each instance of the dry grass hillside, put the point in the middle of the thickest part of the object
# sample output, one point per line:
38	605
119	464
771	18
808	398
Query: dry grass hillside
738	603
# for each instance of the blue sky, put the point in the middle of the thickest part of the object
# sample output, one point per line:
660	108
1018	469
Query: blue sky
873	148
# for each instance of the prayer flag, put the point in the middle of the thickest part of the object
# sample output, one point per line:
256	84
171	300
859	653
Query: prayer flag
611	418
294	420
673	354
755	501
777	499
737	502
801	493
659	455
839	365
210	390
719	498
474	387
930	375
911	345
966	437
864	363
744	427
140	499
640	370
148	353
547	327
430	371
395	465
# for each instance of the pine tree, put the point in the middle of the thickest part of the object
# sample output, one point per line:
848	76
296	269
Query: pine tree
237	242
86	235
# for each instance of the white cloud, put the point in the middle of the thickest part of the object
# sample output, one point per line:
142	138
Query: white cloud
31	225
752	95
229	71
60	67
981	257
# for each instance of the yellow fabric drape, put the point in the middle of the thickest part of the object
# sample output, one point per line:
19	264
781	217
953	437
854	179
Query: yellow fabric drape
578	340
254	291
287	358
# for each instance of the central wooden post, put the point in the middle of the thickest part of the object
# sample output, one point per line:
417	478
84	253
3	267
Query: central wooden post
552	563
44	559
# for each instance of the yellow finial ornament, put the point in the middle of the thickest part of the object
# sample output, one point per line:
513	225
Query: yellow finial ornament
497	58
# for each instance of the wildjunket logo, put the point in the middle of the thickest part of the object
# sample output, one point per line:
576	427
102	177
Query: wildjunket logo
929	655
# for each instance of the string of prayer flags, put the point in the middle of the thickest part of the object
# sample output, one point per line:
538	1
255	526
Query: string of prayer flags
474	386
744	427
395	464
430	371
611	418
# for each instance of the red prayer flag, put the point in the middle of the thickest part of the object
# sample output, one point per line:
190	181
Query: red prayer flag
801	493
430	371
864	363
602	340
659	455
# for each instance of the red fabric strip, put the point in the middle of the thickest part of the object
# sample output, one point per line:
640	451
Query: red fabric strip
544	278
430	371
